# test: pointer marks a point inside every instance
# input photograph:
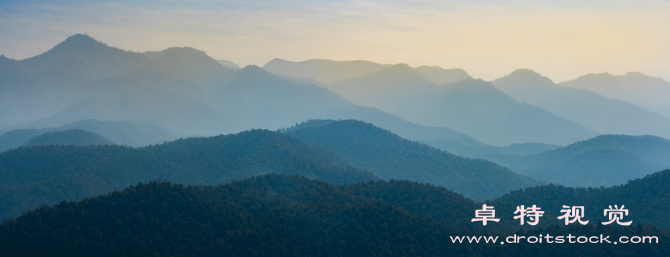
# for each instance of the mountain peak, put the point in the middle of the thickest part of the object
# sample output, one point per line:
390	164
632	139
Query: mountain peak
401	65
523	79
183	51
528	74
606	77
79	41
78	44
6	60
185	54
229	64
397	76
441	76
636	74
252	72
275	61
80	37
399	70
254	68
596	76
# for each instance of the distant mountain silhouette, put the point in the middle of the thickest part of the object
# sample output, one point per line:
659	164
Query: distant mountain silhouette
81	58
324	71
264	100
128	133
399	125
300	80
602	114
478	150
182	70
442	76
18	137
48	174
529	148
328	72
123	99
388	89
70	72
222	100
44	84
478	109
392	157
634	87
528	86
75	137
601	161
15	87
473	107
229	64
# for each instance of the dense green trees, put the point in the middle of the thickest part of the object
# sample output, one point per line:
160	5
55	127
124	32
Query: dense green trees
278	215
68	137
646	199
30	177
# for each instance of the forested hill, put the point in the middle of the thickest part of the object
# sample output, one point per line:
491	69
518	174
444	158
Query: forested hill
276	215
76	137
40	175
645	198
128	133
393	157
604	160
18	137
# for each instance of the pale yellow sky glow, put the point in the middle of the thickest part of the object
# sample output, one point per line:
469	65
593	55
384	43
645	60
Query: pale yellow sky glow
486	38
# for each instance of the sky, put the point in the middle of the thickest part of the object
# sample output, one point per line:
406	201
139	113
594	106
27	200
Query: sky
489	39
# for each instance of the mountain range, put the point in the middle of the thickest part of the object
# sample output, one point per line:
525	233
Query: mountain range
34	176
416	94
605	160
119	132
324	71
184	90
520	121
105	151
599	113
364	152
633	87
180	89
473	107
393	157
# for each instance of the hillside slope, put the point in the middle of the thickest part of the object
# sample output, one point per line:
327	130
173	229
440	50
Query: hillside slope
48	174
279	216
601	161
75	137
393	157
